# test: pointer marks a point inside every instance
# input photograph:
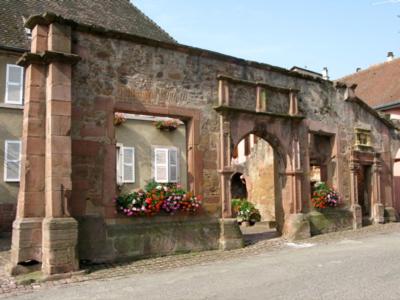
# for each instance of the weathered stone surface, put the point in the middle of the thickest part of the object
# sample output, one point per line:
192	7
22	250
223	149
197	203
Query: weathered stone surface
297	227
137	239
26	240
330	220
357	216
379	212
390	214
231	236
60	239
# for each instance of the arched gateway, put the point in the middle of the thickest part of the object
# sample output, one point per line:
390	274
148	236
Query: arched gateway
270	113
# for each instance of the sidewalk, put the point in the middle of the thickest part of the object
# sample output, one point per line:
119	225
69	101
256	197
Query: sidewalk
9	286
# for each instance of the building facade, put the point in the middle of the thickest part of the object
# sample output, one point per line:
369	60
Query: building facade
14	41
80	76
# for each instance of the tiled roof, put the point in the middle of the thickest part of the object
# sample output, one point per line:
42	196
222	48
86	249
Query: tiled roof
118	15
377	85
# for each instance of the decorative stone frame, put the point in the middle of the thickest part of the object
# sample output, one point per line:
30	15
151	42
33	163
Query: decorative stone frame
359	159
235	124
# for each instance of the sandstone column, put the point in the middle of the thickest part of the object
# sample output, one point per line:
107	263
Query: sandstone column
27	228
296	224
60	231
355	206
377	205
231	237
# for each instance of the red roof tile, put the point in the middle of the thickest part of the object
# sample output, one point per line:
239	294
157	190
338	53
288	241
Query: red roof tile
377	85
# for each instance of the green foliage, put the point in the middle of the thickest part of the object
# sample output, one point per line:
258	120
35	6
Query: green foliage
246	211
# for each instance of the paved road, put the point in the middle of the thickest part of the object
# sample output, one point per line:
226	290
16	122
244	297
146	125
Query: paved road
367	268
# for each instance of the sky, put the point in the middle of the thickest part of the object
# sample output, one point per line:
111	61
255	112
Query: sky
342	35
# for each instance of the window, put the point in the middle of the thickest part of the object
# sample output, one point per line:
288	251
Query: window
14	84
125	164
12	161
166	165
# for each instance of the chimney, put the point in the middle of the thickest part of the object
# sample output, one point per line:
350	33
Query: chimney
325	73
390	56
358	70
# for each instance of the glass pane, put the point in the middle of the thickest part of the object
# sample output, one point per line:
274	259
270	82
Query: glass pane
128	156
14	74
13	150
14	93
161	174
128	173
13	171
161	157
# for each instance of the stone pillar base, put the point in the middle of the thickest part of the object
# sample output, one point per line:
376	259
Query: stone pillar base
357	216
26	242
296	227
231	236
390	215
60	238
379	213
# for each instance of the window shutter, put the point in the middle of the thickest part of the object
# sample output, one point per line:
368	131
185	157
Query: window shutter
12	160
14	84
161	165
119	159
173	165
128	164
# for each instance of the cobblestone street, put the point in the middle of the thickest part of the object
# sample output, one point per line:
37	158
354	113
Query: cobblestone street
10	287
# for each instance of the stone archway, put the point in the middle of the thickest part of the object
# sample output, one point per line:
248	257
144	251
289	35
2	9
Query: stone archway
261	166
283	129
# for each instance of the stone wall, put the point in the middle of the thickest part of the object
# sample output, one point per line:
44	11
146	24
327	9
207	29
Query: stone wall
119	73
122	73
141	238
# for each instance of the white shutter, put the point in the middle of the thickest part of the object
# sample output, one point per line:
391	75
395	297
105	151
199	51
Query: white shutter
14	84
161	165
173	165
12	161
128	164
119	159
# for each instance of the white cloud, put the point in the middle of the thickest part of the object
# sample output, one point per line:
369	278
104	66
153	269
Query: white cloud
386	2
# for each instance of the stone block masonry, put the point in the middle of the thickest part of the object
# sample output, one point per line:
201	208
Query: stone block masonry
43	230
117	72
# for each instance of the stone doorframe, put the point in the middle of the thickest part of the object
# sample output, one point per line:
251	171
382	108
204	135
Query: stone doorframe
373	159
191	117
286	133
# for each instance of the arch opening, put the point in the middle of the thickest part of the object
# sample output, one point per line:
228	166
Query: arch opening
256	164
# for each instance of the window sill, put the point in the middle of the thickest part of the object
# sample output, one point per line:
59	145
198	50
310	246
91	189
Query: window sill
12	106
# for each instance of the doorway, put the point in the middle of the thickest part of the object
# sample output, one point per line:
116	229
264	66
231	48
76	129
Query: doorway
255	184
364	187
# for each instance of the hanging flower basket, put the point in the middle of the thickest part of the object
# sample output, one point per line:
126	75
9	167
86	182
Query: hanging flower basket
119	118
167	125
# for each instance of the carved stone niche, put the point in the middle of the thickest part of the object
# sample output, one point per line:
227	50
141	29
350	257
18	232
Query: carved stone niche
363	140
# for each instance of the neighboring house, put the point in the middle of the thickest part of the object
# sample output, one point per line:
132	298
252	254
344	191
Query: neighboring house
379	87
118	15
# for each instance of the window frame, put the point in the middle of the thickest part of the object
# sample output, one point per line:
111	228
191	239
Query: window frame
6	161
168	164
8	83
